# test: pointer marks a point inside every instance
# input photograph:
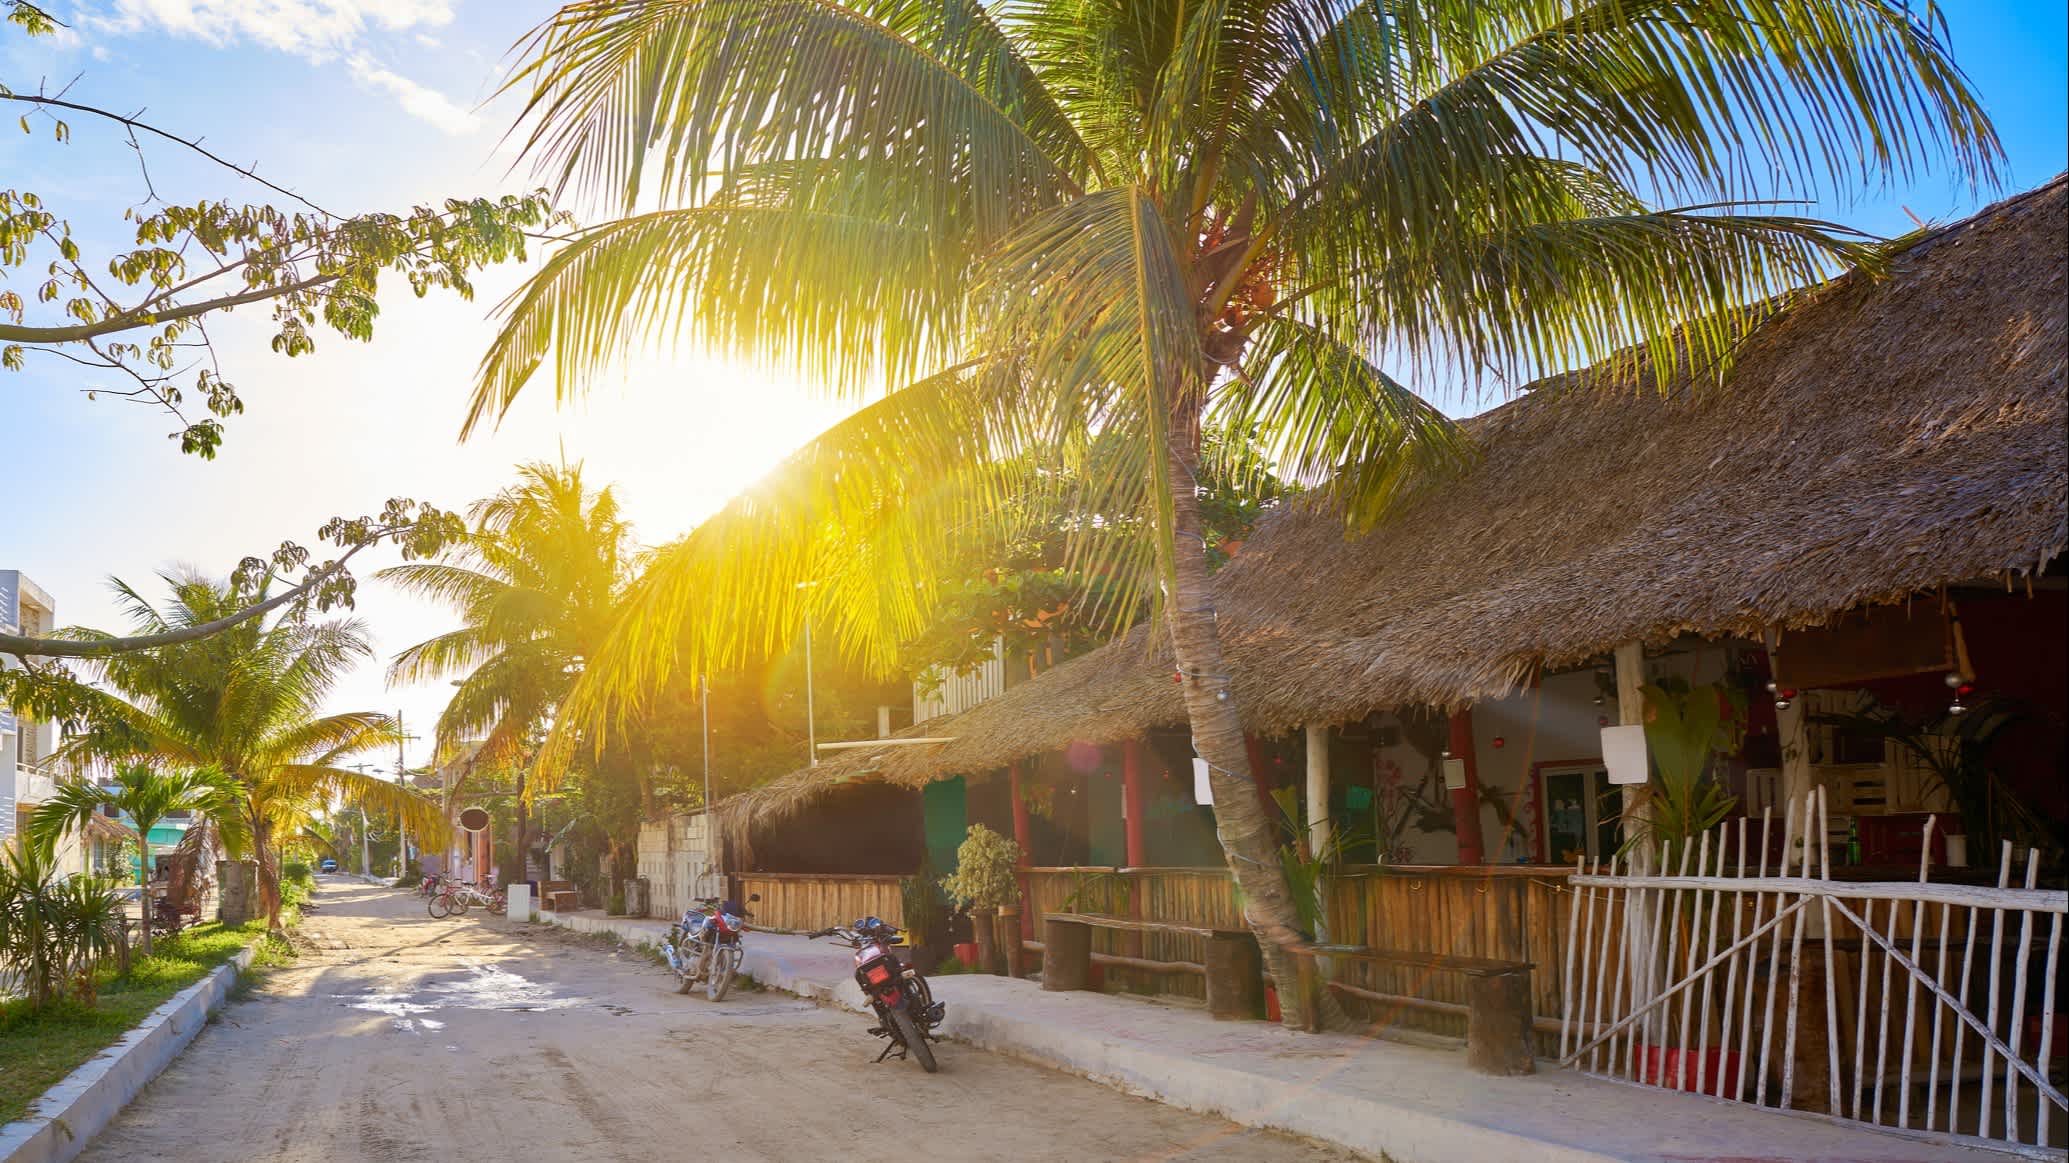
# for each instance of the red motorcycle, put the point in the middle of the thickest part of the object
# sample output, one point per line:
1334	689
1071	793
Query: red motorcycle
905	1008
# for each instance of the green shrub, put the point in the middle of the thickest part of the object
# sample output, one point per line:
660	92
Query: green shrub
54	934
297	872
949	966
985	871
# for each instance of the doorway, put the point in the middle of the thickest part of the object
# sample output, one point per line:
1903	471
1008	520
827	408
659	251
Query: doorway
1581	808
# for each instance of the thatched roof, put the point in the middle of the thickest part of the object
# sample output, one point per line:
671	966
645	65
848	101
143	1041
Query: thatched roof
1877	439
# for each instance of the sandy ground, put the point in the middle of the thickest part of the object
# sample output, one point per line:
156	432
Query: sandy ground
397	1037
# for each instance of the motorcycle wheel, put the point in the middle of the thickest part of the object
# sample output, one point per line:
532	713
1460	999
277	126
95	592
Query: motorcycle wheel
683	982
724	962
914	1042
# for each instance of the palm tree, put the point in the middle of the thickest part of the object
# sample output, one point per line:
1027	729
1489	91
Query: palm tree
536	584
145	796
245	702
1045	221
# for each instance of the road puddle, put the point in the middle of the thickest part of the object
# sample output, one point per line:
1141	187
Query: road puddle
483	987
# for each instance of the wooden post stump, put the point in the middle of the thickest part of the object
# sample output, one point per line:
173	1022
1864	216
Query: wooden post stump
1498	1035
984	932
1235	977
1066	954
1007	934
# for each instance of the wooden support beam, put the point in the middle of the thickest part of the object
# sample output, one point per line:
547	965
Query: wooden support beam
1630	711
1318	821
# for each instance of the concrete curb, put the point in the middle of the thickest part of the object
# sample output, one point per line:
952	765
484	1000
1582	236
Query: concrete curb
1379	1130
61	1123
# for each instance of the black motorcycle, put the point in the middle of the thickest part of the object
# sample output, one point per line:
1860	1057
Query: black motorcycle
905	1008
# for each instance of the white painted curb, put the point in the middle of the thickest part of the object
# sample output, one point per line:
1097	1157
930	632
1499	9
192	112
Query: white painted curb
70	1114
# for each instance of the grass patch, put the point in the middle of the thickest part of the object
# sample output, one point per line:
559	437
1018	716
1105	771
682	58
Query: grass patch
37	1049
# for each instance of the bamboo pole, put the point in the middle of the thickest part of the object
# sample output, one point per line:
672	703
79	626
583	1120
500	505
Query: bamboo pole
1925	859
1731	977
1602	972
1575	939
2018	1013
1832	1076
1774	961
1753	954
1796	971
1702	1042
2047	1021
1932	1074
2004	873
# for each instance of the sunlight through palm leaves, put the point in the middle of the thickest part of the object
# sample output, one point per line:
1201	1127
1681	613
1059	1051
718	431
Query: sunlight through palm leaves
1070	220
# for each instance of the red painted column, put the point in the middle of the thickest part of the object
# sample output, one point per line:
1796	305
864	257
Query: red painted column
1133	796
1255	751
1023	835
1465	801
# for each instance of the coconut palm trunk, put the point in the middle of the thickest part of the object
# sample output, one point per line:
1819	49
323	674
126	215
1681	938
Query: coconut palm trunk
268	870
143	885
1249	839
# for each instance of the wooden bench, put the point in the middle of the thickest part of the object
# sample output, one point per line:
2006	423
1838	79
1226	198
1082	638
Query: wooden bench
559	896
1499	1024
1233	969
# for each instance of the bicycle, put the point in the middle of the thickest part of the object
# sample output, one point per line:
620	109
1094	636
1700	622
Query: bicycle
454	899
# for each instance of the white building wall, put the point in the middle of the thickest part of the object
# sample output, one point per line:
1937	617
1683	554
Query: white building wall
956	693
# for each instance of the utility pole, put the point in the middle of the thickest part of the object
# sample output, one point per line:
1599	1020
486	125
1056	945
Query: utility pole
711	848
401	780
811	724
366	863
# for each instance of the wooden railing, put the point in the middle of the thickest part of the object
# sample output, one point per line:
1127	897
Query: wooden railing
1500	912
801	902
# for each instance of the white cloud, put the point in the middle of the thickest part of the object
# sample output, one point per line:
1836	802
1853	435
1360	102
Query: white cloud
422	103
318	31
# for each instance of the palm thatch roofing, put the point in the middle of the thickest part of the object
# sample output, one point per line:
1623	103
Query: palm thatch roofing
1876	439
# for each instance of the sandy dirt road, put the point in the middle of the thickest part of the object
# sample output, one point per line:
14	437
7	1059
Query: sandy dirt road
397	1037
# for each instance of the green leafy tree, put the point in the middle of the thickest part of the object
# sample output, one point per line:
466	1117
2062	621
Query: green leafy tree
535	584
134	323
146	796
245	701
1048	224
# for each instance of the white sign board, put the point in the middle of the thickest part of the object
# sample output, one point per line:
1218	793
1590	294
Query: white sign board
1623	753
1454	774
1203	789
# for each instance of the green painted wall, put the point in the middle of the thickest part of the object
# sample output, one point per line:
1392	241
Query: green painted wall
944	807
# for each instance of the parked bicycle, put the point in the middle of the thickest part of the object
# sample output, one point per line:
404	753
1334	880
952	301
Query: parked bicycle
454	899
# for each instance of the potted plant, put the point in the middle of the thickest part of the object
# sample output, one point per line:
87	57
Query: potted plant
920	896
1688	730
984	882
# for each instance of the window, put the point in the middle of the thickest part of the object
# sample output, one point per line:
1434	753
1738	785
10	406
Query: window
1581	808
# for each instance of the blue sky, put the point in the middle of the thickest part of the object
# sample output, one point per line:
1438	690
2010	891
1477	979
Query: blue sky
378	104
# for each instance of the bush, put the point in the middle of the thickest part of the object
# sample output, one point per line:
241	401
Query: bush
984	876
54	934
296	872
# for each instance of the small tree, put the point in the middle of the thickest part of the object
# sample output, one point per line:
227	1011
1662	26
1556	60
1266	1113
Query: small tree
52	931
984	877
146	797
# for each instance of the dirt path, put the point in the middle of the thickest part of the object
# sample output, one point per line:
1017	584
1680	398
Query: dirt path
402	1038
